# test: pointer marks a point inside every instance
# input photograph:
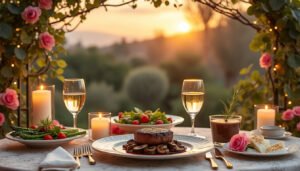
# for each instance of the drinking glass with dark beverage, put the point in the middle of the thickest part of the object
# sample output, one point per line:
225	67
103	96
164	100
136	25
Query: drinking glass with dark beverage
223	127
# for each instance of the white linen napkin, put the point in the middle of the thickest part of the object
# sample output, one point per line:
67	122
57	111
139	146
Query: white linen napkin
58	159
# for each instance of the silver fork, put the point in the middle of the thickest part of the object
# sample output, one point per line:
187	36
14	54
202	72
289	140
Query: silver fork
77	154
87	151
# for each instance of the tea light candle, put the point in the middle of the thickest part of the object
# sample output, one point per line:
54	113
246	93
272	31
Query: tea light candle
41	105
99	127
265	116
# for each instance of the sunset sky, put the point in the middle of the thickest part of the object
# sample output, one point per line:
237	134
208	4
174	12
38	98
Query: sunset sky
103	28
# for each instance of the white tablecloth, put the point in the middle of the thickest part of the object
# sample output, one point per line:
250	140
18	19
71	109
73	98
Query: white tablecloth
15	156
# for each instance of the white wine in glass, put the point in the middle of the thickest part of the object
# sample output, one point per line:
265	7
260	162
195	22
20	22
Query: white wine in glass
192	96
74	95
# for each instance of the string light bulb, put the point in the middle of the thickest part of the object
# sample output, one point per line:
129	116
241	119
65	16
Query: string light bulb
12	65
290	102
274	48
275	27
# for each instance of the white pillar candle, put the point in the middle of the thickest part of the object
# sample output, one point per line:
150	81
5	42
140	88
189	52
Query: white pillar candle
41	106
100	127
265	116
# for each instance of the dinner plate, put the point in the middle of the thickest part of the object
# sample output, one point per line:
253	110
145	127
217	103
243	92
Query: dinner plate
42	143
130	128
284	136
289	149
114	145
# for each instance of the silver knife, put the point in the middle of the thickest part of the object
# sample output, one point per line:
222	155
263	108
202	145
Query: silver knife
219	155
209	157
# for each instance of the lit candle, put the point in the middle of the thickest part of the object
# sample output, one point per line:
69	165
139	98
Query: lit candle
265	116
100	127
41	106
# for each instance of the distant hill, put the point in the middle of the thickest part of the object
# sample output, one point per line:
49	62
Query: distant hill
222	50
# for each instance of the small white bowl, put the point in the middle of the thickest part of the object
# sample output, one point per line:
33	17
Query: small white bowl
272	131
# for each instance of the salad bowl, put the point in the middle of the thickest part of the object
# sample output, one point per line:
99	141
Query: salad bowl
130	128
129	122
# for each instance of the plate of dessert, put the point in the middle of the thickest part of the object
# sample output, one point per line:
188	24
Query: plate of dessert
259	146
136	119
153	143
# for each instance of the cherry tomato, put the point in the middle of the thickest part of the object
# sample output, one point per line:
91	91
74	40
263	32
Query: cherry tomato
34	127
120	115
135	122
159	122
170	120
61	135
144	118
48	137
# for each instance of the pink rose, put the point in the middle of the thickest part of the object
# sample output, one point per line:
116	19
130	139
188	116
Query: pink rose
298	126
288	115
45	4
296	110
2	119
265	60
9	99
31	14
46	41
239	142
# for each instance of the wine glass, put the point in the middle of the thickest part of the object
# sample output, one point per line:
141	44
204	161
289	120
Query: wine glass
192	95
74	95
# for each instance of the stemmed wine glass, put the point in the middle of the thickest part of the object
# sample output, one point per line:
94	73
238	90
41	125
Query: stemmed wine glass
74	95
192	95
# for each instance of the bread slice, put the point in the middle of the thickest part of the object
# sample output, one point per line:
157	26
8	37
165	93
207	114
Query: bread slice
275	147
259	143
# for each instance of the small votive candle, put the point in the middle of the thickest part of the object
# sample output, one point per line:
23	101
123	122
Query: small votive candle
265	115
99	125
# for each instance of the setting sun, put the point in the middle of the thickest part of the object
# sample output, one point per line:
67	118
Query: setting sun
184	27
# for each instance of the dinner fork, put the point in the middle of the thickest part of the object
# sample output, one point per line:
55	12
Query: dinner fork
87	151
77	154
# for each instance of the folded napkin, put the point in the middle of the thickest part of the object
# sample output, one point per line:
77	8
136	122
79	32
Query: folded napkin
58	159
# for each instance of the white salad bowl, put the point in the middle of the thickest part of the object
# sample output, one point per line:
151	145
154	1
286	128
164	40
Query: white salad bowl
129	128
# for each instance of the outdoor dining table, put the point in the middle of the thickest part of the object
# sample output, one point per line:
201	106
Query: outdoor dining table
16	156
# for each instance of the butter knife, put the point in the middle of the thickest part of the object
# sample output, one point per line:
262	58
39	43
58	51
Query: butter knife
209	157
219	155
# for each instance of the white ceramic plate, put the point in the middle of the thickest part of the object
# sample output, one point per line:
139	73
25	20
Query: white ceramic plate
289	149
284	136
129	128
42	143
114	145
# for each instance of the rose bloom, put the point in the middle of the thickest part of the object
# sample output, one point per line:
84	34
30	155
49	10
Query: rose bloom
45	4
46	41
31	14
298	126
239	142
9	99
288	115
296	109
265	60
2	119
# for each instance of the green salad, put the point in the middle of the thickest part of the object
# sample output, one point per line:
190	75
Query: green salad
148	117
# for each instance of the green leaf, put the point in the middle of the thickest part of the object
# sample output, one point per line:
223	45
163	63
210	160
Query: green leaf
293	61
20	53
245	71
276	4
259	42
25	38
6	31
296	14
61	63
13	9
7	72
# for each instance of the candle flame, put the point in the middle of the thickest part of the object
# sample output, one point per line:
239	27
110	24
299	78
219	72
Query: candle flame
42	87
266	107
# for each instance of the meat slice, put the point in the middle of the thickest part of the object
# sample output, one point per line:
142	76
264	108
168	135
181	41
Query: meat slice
153	136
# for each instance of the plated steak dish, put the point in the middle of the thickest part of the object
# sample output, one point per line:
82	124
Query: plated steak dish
153	141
